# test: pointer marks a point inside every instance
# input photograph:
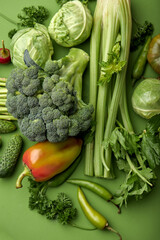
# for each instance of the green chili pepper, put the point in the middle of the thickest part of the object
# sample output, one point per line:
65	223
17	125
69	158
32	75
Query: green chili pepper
98	220
96	188
139	66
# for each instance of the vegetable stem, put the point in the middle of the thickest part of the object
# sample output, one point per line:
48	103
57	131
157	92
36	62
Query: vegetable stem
94	71
26	172
110	28
136	171
8	19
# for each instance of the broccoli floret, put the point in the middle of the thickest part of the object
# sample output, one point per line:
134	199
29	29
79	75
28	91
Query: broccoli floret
35	112
32	72
45	100
49	82
84	117
62	126
51	67
30	86
49	114
52	132
17	105
73	127
32	101
30	129
63	96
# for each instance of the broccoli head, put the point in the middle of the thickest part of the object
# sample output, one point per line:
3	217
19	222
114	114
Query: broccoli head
47	103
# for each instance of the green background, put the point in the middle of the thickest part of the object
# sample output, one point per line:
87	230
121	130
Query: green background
139	221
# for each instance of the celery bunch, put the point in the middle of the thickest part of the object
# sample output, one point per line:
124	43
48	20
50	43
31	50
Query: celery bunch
109	52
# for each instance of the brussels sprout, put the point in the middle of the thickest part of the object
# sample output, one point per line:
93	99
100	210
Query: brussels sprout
146	98
38	43
71	25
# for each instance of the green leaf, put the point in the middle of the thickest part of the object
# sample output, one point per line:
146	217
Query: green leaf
150	143
123	165
112	66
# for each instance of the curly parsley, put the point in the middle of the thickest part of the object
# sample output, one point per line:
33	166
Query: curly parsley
60	209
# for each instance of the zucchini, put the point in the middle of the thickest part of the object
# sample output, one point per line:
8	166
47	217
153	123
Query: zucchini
10	156
7	126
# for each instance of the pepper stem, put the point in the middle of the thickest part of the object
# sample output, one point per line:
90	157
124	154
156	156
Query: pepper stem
3	47
112	230
26	172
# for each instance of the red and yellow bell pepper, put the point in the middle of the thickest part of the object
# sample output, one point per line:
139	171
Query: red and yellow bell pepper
44	160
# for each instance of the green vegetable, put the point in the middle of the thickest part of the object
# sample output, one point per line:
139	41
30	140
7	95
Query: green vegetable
7	126
98	220
4	115
28	17
94	187
10	156
146	98
48	104
141	61
0	142
142	32
71	25
60	209
38	43
137	156
151	142
110	39
61	2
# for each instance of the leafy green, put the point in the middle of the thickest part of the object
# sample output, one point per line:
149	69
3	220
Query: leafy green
60	209
139	37
151	142
137	156
32	15
112	65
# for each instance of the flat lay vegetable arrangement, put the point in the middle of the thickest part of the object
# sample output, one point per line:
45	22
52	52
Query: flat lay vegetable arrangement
80	117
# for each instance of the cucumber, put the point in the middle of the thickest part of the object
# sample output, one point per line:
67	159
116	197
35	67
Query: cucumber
10	156
7	126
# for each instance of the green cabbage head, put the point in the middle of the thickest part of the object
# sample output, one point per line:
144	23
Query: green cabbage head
146	98
38	43
71	25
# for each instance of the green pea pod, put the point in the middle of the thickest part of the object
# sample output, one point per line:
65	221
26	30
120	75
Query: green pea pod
95	218
140	63
94	187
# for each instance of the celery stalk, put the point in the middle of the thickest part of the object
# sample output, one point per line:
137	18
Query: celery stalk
109	35
115	19
125	26
94	72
